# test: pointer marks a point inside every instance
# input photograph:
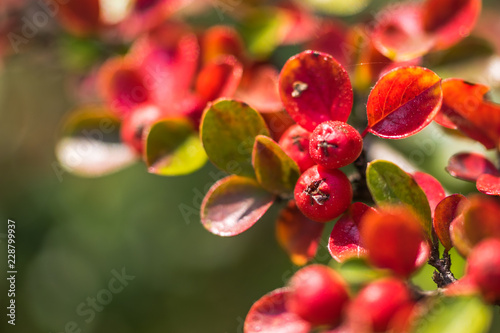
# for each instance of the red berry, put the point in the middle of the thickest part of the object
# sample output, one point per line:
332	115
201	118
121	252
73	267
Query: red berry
323	194
483	267
317	294
377	303
135	123
295	142
335	144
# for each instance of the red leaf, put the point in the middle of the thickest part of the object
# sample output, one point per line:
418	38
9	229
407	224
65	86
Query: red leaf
458	237
465	107
221	40
469	166
269	315
488	184
450	20
403	102
332	39
393	238
432	188
234	204
399	33
80	17
297	234
219	78
446	211
260	88
135	124
481	219
345	239
300	24
315	88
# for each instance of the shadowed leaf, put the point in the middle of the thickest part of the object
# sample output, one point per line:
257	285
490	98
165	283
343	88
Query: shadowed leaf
458	236
469	166
269	315
446	211
389	184
403	102
481	219
90	143
234	204
173	148
297	234
315	88
228	130
274	169
345	239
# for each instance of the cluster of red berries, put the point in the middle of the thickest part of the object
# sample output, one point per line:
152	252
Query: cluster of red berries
323	192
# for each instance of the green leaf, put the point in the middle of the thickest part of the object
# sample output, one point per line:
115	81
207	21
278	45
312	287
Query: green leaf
234	204
456	315
173	148
357	272
275	170
389	184
228	130
90	144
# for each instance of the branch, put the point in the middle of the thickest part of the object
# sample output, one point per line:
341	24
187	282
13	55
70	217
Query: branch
443	275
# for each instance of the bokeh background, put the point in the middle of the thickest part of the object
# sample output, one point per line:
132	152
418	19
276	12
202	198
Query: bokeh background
72	233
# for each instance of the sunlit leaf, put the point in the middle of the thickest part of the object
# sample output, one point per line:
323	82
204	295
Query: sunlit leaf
457	315
393	237
345	239
173	148
389	184
274	169
269	314
90	143
446	211
469	166
403	102
488	184
431	187
297	234
339	7
315	88
465	107
234	204
219	78
228	130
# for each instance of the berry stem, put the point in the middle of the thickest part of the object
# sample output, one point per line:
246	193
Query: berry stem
443	275
358	180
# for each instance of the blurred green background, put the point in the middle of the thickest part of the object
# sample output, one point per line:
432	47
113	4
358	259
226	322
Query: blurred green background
72	236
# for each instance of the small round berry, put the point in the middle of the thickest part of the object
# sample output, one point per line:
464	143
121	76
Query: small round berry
134	124
335	144
483	267
377	303
318	295
295	143
323	194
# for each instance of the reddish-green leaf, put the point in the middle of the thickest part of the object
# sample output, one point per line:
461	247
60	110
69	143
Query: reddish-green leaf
481	219
458	236
403	102
228	130
274	169
446	211
90	143
488	184
269	315
393	238
234	204
450	20
315	88
399	33
297	234
173	148
219	78
345	240
465	107
388	184
469	166
431	187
